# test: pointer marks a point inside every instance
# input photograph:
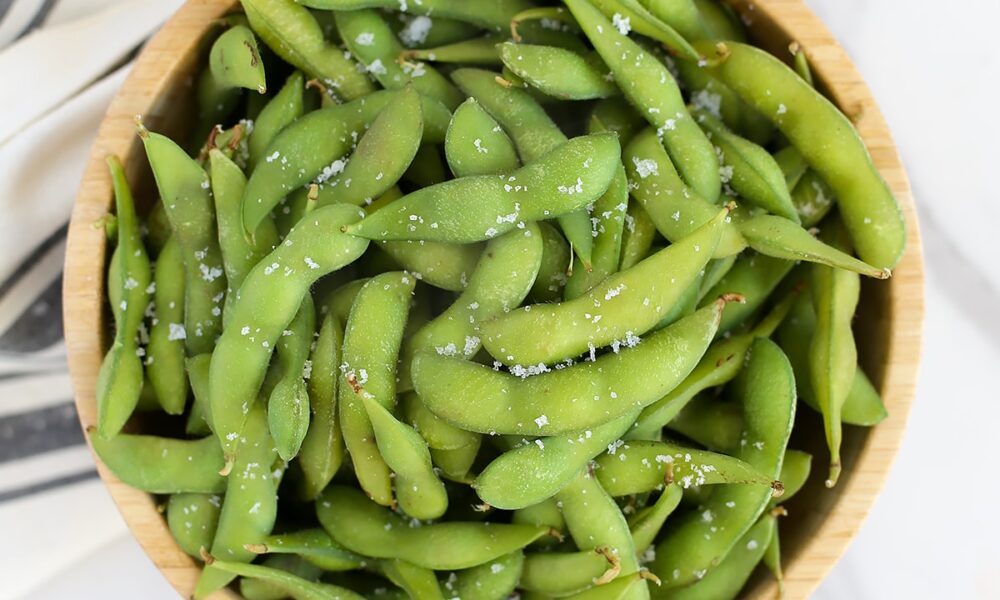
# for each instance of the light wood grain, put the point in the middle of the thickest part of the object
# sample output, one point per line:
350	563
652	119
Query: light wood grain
822	522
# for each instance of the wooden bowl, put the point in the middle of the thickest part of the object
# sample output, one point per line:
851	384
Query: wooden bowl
821	523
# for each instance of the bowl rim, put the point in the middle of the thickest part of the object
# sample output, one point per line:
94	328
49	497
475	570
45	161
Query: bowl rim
159	63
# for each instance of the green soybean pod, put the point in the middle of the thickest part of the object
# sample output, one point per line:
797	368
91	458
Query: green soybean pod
427	168
546	404
545	513
234	60
558	574
674	208
303	150
279	112
322	450
363	526
753	277
813	199
165	351
833	356
372	336
648	84
215	102
594	519
456	463
727	578
443	265
492	15
292	585
480	50
199	418
863	406
795	469
559	73
615	114
711	423
780	238
158	227
720	364
260	589
314	545
495	580
418	490
239	255
568	178
187	199
416	582
120	379
192	519
534	134
721	22
632	15
608	221
638	467
637	237
706	92
295	35
682	15
536	471
250	505
288	404
160	465
749	169
647	522
793	166
628	303
502	279
270	297
371	171
766	388
439	434
476	144
829	143
556	255
373	42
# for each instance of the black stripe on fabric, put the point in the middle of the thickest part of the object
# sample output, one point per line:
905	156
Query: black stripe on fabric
39	326
39	18
30	261
4	7
45	486
39	431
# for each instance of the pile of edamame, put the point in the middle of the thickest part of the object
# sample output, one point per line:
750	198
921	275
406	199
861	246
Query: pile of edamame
480	300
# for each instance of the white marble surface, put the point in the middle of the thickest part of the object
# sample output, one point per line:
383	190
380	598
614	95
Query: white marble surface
935	70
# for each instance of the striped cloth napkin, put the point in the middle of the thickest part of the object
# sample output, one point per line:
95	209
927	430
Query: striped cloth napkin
61	61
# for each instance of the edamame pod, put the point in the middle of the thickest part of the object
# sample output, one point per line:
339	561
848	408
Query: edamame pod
119	381
748	169
536	471
492	15
534	133
566	179
187	199
250	505
556	255
553	402
648	84
646	524
270	297
637	238
294	34
632	15
314	545
322	450
623	306
480	50
364	527
288	404
372	41
419	491
827	140
160	465
297	587
637	467
476	144
558	574
559	73
490	581
199	418
812	198
192	519
372	337
280	111
703	538
234	60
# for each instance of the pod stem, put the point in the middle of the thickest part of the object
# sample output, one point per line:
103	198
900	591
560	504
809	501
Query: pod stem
614	565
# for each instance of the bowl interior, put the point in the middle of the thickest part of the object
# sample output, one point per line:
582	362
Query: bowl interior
821	522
